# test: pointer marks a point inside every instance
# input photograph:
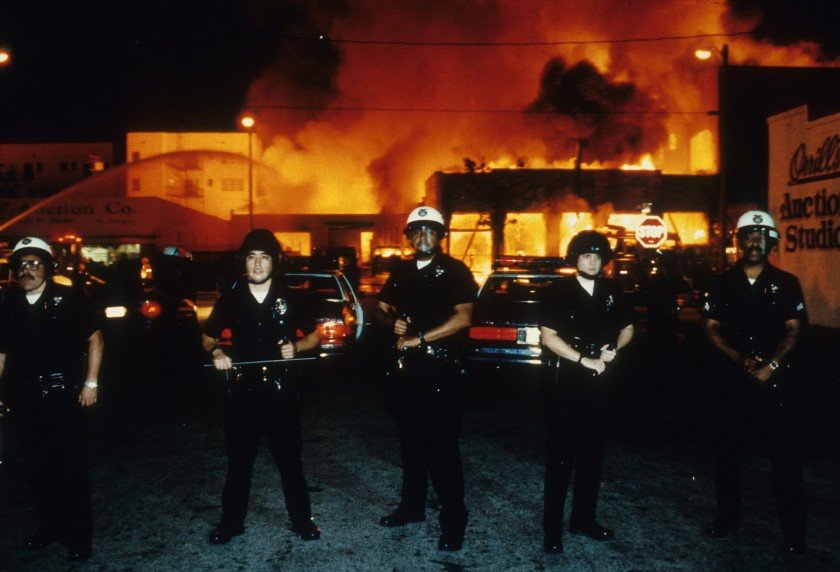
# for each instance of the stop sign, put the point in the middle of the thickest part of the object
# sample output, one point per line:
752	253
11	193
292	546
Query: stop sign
652	232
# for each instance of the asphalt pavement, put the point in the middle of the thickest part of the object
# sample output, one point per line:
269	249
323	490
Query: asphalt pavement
158	464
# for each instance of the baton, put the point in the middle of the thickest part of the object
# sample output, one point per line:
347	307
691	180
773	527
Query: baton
267	361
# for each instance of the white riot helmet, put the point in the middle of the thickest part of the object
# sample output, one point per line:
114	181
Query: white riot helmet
760	221
36	247
426	216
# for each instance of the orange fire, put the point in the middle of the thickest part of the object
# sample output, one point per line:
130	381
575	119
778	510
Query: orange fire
395	113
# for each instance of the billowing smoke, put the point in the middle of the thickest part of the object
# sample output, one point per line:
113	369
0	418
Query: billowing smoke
362	112
608	118
786	23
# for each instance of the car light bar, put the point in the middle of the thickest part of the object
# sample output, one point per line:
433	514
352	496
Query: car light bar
150	309
116	311
493	333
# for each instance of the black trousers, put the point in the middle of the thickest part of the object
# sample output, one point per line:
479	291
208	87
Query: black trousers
577	408
428	400
774	411
255	409
54	437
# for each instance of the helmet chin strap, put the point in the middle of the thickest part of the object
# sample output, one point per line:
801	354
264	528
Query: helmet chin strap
588	275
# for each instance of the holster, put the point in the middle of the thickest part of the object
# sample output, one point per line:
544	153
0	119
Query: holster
284	378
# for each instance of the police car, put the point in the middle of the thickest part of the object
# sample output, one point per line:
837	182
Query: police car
506	314
339	316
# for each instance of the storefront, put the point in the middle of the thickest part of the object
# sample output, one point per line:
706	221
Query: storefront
804	198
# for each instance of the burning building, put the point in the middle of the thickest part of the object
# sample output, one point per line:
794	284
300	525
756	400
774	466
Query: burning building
537	211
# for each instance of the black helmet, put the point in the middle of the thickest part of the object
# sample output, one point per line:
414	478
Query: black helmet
589	241
260	239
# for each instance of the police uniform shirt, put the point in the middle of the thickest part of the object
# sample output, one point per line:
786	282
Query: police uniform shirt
752	316
581	319
49	336
429	294
255	328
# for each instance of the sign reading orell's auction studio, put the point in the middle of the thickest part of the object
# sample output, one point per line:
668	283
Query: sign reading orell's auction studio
804	198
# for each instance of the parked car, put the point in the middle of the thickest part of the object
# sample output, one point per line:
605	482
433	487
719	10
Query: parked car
338	313
506	314
149	318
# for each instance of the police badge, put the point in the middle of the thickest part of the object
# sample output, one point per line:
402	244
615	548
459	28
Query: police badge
279	310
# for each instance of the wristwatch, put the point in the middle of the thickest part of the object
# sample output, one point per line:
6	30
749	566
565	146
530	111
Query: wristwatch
422	337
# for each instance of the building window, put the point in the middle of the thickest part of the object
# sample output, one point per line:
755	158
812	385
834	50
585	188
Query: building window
73	166
28	173
62	167
39	167
135	185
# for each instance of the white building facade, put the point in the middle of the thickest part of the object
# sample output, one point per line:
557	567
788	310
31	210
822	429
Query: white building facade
804	199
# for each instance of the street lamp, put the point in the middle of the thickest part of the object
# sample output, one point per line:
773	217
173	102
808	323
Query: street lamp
248	122
5	57
705	54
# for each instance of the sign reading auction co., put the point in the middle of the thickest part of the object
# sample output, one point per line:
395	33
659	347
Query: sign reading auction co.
804	197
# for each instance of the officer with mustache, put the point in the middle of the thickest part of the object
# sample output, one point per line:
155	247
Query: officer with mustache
427	303
754	319
50	353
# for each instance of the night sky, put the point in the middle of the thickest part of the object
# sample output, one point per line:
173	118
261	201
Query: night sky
95	69
98	68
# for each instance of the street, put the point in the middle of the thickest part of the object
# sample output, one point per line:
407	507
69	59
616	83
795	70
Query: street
158	464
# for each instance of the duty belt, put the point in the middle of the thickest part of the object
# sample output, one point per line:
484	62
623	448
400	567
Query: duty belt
443	353
46	383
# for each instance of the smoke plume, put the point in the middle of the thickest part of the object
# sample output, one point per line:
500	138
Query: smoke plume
366	108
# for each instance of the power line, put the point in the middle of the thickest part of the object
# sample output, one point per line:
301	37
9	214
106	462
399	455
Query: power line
426	43
470	111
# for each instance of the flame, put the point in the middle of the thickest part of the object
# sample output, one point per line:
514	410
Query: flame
646	164
359	128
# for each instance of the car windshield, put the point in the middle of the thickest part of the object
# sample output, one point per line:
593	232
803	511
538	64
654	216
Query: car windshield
321	286
515	288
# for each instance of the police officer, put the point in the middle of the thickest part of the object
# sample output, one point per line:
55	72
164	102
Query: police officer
754	319
427	302
586	320
50	353
257	321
